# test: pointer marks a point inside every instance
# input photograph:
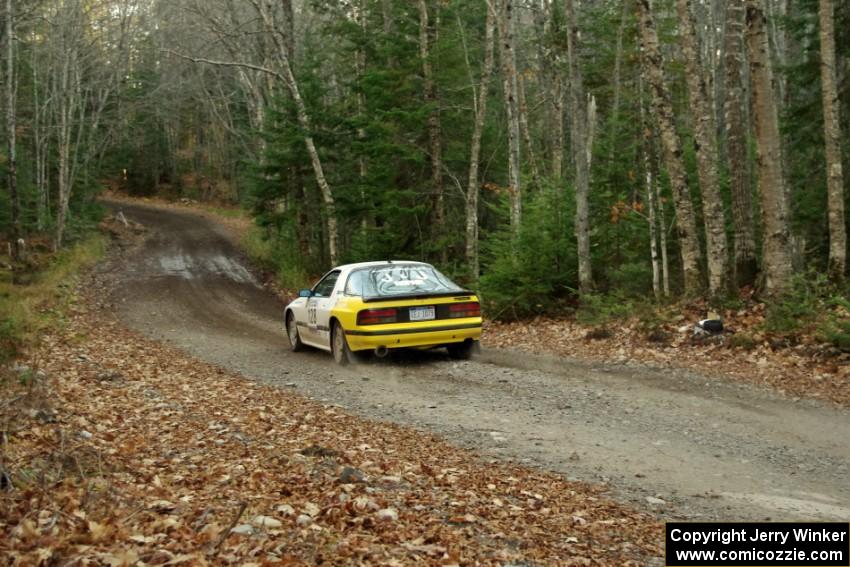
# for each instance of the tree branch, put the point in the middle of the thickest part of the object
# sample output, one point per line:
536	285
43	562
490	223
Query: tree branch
227	64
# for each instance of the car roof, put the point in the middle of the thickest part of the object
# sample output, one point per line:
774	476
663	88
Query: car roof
358	265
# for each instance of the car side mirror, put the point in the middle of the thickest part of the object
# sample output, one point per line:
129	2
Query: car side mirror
305	293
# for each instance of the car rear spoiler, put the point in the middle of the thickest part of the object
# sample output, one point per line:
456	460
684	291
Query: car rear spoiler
462	294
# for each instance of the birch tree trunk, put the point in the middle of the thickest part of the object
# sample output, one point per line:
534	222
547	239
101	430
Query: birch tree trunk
507	54
11	128
581	151
316	162
705	146
653	222
662	233
526	132
66	97
550	87
736	146
362	165
557	112
618	82
672	150
832	137
647	153
778	268
282	40
39	115
427	37
473	186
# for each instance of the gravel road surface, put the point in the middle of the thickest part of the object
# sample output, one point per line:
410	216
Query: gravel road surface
683	445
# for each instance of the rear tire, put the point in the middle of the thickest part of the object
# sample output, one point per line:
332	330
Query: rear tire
339	346
292	333
462	351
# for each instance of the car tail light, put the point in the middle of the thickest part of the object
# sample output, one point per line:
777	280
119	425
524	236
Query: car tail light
470	309
377	316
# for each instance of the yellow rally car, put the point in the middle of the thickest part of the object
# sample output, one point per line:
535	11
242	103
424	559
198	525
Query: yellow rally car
377	306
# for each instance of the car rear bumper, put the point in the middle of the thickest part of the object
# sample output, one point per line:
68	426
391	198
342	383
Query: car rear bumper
419	336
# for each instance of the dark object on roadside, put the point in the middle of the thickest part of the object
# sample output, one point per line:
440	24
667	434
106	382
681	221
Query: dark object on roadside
709	331
712	326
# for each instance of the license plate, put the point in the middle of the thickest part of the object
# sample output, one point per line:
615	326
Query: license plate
422	313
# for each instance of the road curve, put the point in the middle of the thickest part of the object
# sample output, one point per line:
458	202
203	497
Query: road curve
683	445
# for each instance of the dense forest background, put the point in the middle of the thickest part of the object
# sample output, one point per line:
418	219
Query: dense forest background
536	149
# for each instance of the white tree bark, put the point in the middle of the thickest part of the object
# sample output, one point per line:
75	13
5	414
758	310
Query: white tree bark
281	38
40	141
526	132
672	148
653	224
832	137
778	267
618	80
507	54
705	145
655	212
662	235
11	129
87	62
66	103
549	84
581	148
473	188
362	165
427	37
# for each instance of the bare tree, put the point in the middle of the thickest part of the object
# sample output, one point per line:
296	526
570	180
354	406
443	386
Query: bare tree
526	131
11	128
473	185
87	54
832	137
618	79
648	155
653	65
581	146
427	38
550	85
736	146
40	114
67	94
235	31
507	54
360	70
705	145
652	217
281	39
778	266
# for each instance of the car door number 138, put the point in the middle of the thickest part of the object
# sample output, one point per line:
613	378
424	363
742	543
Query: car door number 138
311	314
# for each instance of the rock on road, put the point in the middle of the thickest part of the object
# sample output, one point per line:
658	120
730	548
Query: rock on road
683	445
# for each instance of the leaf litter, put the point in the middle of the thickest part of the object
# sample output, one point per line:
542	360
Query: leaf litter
805	369
150	457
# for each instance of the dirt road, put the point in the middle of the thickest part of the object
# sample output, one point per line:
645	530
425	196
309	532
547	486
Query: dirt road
683	445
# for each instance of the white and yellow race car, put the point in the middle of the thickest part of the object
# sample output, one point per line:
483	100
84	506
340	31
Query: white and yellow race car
377	306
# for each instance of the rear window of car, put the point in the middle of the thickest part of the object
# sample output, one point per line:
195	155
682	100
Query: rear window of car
398	279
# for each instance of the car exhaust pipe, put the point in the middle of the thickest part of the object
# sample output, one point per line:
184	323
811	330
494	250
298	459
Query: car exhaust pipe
381	351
